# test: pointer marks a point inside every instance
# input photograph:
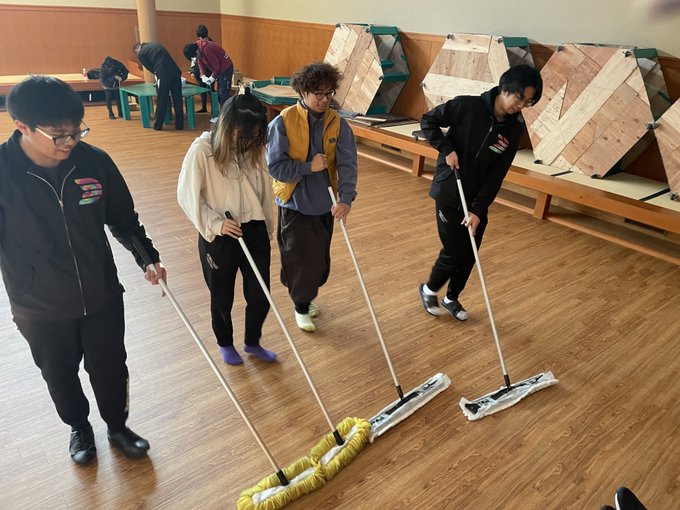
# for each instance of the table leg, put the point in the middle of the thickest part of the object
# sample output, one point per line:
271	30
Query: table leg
191	113
214	103
124	104
145	111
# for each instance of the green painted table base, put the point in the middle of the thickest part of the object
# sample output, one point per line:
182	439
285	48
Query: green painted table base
145	92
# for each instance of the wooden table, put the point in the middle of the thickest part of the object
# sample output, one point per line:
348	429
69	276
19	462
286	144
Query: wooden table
145	92
75	80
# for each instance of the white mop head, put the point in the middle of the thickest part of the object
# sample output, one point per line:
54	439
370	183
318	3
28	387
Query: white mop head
403	408
505	397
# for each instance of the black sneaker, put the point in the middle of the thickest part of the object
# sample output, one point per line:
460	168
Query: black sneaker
455	309
81	446
129	443
626	500
429	302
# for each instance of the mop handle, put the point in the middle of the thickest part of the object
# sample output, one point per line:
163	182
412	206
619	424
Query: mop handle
149	264
368	299
246	252
481	277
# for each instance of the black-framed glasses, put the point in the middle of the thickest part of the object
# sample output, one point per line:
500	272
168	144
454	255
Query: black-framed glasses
523	101
63	139
328	95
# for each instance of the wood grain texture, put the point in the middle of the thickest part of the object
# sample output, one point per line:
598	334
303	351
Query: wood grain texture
668	136
595	108
601	317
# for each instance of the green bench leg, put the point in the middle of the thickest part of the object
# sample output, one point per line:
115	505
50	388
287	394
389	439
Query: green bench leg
191	113
124	104
214	103
145	111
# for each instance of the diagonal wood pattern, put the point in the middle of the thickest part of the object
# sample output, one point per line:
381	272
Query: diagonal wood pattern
596	105
668	135
469	64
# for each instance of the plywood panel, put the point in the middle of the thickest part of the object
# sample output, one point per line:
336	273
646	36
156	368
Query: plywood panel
468	64
668	135
604	108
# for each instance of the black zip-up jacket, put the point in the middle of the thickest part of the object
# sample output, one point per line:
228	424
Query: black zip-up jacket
158	60
108	71
485	149
55	257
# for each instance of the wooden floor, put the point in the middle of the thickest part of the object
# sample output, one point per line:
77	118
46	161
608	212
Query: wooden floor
603	318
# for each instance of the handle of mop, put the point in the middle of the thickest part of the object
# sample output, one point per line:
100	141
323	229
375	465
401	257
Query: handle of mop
459	182
149	264
275	309
366	297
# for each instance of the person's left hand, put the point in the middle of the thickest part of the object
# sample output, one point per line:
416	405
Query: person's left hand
471	221
160	274
340	211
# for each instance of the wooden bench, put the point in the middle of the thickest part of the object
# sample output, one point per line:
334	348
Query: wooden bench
652	206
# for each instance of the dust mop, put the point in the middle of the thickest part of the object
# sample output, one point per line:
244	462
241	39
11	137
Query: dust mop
286	484
407	404
509	394
336	449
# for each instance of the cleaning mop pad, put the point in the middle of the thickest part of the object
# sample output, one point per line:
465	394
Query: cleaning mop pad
304	476
505	396
333	457
404	407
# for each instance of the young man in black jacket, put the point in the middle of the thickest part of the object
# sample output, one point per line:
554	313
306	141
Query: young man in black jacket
481	142
158	60
56	196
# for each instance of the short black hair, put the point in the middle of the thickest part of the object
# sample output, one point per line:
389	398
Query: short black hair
190	50
518	78
316	76
201	31
45	101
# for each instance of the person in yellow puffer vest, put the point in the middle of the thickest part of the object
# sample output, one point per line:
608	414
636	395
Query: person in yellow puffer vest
309	147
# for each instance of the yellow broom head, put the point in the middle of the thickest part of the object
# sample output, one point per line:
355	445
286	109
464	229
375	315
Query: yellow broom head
304	476
331	457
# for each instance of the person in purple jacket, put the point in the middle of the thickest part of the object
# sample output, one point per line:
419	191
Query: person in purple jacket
56	196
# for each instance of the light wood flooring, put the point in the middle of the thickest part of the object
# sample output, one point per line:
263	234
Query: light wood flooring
603	318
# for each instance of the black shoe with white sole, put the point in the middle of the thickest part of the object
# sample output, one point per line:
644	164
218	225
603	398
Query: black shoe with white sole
430	302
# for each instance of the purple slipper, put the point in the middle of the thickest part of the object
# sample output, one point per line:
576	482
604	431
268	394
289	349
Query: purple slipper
230	355
261	353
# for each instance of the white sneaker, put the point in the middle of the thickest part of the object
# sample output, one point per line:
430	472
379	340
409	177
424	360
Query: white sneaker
305	322
314	310
213	120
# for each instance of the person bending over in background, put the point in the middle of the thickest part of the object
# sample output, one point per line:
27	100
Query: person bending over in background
212	58
111	74
158	60
56	195
225	170
308	145
481	142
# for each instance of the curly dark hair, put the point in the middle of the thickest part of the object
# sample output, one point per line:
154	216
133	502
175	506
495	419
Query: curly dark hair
316	76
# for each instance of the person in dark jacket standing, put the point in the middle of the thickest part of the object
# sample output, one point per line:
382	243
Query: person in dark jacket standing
158	60
481	142
111	74
56	195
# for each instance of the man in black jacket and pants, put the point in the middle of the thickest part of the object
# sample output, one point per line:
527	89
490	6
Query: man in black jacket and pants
481	142
158	60
56	195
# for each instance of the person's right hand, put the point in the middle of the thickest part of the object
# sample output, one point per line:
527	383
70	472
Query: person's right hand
452	160
231	228
319	163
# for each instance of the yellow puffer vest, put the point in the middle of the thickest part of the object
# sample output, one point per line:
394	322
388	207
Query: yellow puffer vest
297	130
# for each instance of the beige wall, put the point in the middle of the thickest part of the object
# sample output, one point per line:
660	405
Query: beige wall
162	5
544	21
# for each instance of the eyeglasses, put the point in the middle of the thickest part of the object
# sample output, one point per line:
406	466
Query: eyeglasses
63	139
523	101
328	95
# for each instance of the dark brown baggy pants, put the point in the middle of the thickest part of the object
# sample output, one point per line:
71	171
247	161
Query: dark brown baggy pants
304	244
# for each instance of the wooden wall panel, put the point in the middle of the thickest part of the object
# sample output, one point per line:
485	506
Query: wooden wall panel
70	38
